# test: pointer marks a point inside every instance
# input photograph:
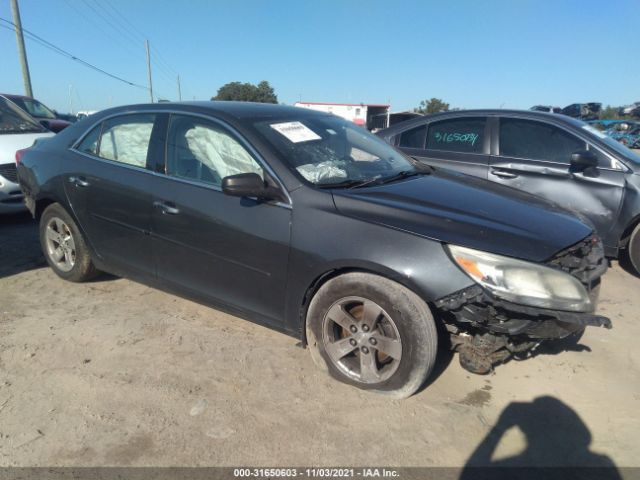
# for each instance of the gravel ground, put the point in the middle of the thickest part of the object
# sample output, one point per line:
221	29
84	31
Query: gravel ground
115	373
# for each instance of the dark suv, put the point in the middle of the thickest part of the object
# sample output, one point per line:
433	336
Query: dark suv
309	224
558	158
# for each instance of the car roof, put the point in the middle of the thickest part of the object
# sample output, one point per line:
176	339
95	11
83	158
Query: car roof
239	110
531	114
13	95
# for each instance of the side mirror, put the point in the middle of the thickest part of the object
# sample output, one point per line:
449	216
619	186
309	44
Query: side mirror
583	160
248	185
45	124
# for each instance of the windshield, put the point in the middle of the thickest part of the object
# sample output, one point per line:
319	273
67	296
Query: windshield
331	152
35	108
614	144
14	120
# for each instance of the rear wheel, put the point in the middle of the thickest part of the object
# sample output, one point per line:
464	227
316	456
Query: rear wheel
633	249
373	333
64	248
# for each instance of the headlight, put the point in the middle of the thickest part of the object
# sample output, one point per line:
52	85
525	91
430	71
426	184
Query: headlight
522	282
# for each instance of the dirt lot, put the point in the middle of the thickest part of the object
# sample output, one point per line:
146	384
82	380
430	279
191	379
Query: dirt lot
115	373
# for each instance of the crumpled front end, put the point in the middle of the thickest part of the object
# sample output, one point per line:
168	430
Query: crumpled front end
486	330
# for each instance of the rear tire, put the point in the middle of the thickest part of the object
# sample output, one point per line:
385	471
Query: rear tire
64	247
633	249
372	333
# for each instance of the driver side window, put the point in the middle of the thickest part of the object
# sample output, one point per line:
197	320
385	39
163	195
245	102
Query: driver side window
203	151
533	140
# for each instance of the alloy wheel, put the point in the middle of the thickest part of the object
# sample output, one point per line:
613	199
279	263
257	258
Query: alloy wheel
61	247
362	340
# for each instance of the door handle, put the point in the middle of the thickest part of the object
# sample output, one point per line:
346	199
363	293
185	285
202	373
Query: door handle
503	174
78	181
167	208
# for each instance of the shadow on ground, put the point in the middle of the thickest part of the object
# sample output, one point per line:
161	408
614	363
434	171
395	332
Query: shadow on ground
557	440
20	249
19	245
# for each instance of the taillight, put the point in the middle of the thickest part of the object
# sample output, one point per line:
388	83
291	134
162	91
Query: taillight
19	155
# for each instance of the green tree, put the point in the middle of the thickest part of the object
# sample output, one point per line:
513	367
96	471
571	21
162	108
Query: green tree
247	92
434	105
609	112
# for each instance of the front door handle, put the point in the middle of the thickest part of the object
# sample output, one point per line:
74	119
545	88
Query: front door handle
503	173
78	181
167	208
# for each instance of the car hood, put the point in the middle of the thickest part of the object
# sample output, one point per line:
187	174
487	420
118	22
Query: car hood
464	210
12	142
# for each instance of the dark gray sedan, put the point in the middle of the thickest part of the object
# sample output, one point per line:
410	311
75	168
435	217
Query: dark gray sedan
559	158
307	223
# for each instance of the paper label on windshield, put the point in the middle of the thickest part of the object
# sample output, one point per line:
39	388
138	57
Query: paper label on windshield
295	132
595	131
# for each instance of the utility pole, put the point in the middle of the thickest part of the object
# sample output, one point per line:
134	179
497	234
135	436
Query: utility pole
22	53
70	100
146	42
179	91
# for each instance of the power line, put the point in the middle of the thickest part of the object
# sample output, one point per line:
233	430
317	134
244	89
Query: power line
122	32
119	37
60	51
91	18
134	30
110	19
122	24
131	29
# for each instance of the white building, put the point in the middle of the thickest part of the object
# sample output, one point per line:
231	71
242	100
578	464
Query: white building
371	116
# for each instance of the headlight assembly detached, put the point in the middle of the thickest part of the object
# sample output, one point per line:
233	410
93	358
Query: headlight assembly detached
522	282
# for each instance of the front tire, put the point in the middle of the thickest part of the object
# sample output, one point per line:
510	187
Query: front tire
63	246
633	249
372	333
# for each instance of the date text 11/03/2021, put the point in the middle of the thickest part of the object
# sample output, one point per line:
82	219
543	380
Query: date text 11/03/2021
315	473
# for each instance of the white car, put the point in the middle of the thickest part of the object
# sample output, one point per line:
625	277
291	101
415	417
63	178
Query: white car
17	131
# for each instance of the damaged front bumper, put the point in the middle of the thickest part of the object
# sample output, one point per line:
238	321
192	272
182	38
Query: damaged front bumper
487	330
476	308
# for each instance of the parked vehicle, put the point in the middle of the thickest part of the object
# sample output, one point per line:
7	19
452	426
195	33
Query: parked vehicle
583	111
38	110
632	110
69	117
84	114
610	124
555	157
629	137
307	223
17	131
546	108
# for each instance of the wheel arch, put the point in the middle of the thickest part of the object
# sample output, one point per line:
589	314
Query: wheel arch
331	273
41	204
628	230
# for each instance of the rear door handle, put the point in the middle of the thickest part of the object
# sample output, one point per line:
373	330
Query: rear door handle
166	207
78	181
503	173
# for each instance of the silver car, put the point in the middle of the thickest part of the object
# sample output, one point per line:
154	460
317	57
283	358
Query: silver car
17	131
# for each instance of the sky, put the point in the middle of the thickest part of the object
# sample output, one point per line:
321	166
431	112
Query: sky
470	53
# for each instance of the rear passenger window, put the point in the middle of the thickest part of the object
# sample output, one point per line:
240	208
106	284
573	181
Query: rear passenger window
90	143
203	151
537	141
126	139
464	135
413	138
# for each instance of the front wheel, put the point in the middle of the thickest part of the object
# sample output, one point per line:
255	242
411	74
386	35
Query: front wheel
633	249
373	333
64	248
